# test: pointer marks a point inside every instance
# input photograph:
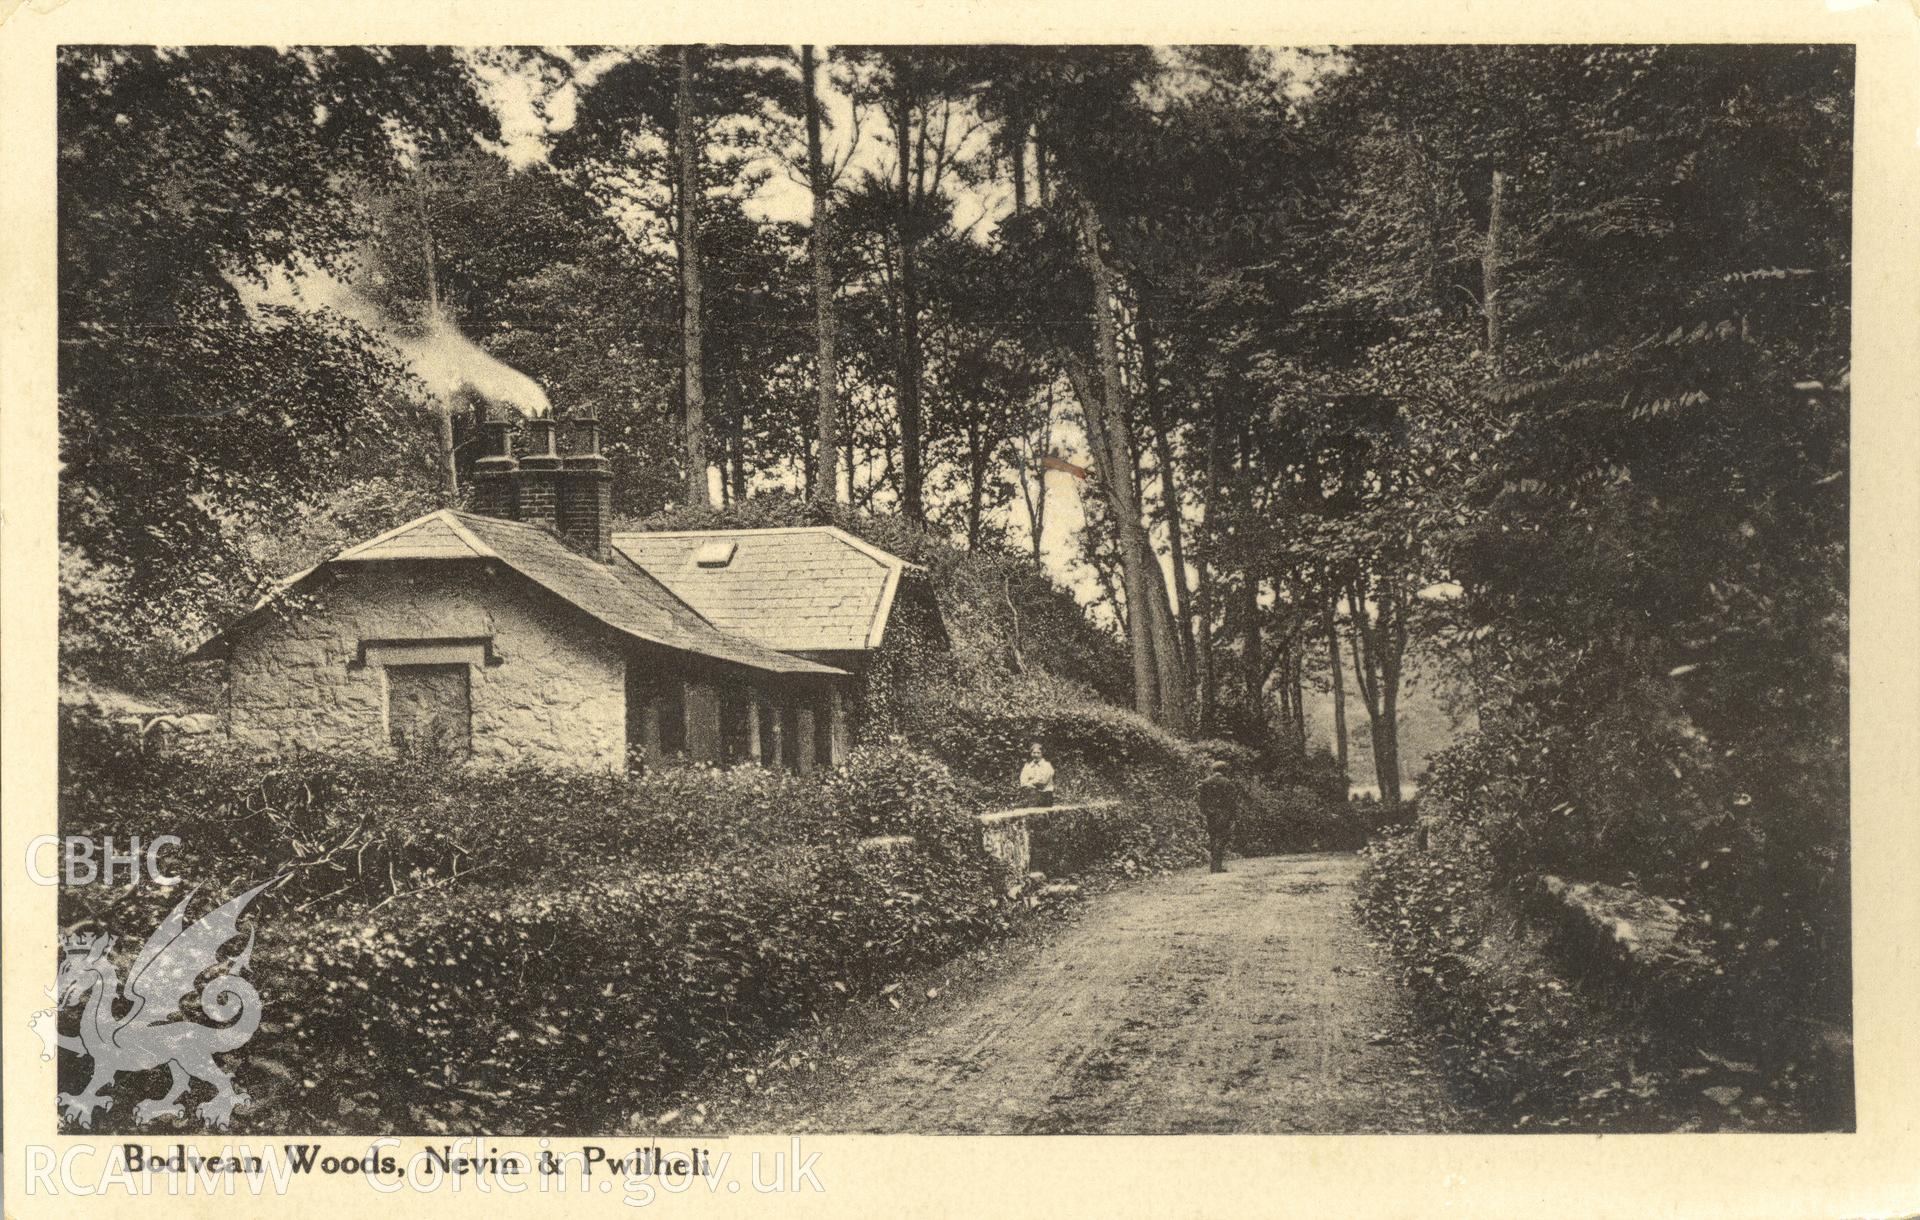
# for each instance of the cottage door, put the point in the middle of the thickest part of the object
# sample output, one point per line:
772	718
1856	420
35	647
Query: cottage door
429	709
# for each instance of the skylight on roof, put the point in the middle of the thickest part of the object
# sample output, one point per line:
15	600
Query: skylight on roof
716	554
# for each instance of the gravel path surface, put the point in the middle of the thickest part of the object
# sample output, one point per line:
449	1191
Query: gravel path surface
1248	1001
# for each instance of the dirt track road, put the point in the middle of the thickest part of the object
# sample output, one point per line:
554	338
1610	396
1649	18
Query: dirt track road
1248	1001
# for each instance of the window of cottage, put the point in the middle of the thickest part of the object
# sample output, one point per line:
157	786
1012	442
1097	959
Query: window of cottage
430	709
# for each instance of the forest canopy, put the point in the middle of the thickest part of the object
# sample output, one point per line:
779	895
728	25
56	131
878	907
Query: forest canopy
1527	362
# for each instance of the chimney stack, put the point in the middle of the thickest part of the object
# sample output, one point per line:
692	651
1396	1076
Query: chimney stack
496	473
570	493
586	493
539	483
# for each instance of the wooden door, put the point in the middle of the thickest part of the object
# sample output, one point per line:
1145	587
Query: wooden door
429	709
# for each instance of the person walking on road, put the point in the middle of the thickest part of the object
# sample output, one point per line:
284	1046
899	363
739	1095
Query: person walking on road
1036	778
1219	804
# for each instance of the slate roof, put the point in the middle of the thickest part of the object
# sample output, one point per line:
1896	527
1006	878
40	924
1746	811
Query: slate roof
798	589
617	594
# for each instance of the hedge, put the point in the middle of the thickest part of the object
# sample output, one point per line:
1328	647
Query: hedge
1539	1046
522	950
539	1006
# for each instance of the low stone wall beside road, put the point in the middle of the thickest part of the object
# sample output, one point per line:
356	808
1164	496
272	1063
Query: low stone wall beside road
1006	834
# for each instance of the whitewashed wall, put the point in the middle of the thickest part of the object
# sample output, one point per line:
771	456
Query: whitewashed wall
557	699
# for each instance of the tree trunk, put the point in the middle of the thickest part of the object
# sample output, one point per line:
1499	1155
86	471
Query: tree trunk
1386	745
826	467
1146	683
1376	663
1019	127
1170	509
908	372
1292	714
449	469
736	424
1173	697
1252	661
1120	615
1335	677
976	484
1253	666
1296	686
848	428
1362	672
693	384
1203	648
1490	272
1217	479
1033	480
1042	187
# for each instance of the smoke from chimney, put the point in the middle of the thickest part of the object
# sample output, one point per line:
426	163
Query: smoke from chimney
450	363
446	360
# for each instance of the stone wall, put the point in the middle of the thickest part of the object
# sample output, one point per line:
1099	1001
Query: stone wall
1644	942
1007	835
547	684
1006	838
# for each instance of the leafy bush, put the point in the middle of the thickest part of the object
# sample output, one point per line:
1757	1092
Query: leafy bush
522	950
1096	749
353	830
889	788
1635	794
1513	1032
1539	1045
1070	840
542	1005
1291	819
1157	826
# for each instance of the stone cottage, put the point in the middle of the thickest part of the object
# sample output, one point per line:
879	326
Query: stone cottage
518	632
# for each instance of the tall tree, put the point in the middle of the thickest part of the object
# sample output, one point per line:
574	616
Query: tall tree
920	93
1034	445
690	136
192	411
1172	505
1092	115
443	409
1336	677
625	149
1167	696
826	469
900	110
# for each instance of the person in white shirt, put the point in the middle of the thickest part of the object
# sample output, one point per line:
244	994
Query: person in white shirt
1036	778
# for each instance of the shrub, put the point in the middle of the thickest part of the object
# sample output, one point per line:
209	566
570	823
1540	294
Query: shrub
1635	796
535	1006
353	830
1291	819
1157	826
1068	841
1512	1031
1096	749
519	950
1540	1044
889	788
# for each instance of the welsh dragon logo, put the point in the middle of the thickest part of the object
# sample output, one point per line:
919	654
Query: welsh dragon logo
154	1030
